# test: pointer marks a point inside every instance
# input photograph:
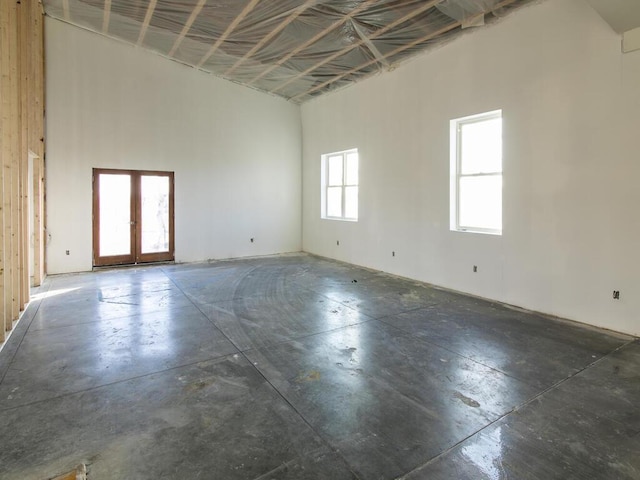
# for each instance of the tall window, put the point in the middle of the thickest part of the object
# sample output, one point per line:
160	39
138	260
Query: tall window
476	173
340	185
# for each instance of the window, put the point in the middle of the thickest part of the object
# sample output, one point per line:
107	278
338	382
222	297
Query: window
476	173
340	185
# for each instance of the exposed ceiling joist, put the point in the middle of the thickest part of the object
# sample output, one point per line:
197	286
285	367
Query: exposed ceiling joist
296	13
367	41
106	16
296	49
398	50
370	62
147	20
373	36
187	26
313	40
232	26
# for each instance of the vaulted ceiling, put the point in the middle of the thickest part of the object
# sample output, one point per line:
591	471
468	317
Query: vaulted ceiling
296	49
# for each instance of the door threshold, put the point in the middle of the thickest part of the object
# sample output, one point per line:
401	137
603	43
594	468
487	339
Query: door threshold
132	265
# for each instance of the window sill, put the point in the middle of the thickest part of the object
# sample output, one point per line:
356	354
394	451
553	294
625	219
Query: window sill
496	233
340	219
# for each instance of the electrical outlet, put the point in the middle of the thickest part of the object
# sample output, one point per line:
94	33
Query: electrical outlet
616	294
338	242
393	254
67	252
475	269
252	240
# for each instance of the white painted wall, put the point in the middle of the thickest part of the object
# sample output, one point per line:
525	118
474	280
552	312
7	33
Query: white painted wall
235	151
571	110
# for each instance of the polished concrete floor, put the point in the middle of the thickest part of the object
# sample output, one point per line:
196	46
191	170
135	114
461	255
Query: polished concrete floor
296	367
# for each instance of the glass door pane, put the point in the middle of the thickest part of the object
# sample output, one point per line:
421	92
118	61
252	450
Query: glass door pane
154	211
115	214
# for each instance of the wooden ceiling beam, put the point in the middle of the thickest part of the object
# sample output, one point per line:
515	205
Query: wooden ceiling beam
314	39
245	11
147	20
106	16
187	26
362	41
290	18
404	47
400	49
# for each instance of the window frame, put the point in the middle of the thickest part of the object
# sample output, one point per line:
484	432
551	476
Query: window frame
456	172
344	185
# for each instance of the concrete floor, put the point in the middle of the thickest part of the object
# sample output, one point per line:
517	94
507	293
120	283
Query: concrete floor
296	367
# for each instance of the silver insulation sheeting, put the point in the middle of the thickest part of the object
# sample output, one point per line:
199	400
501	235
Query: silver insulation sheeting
296	49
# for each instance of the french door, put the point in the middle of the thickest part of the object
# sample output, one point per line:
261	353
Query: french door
132	217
